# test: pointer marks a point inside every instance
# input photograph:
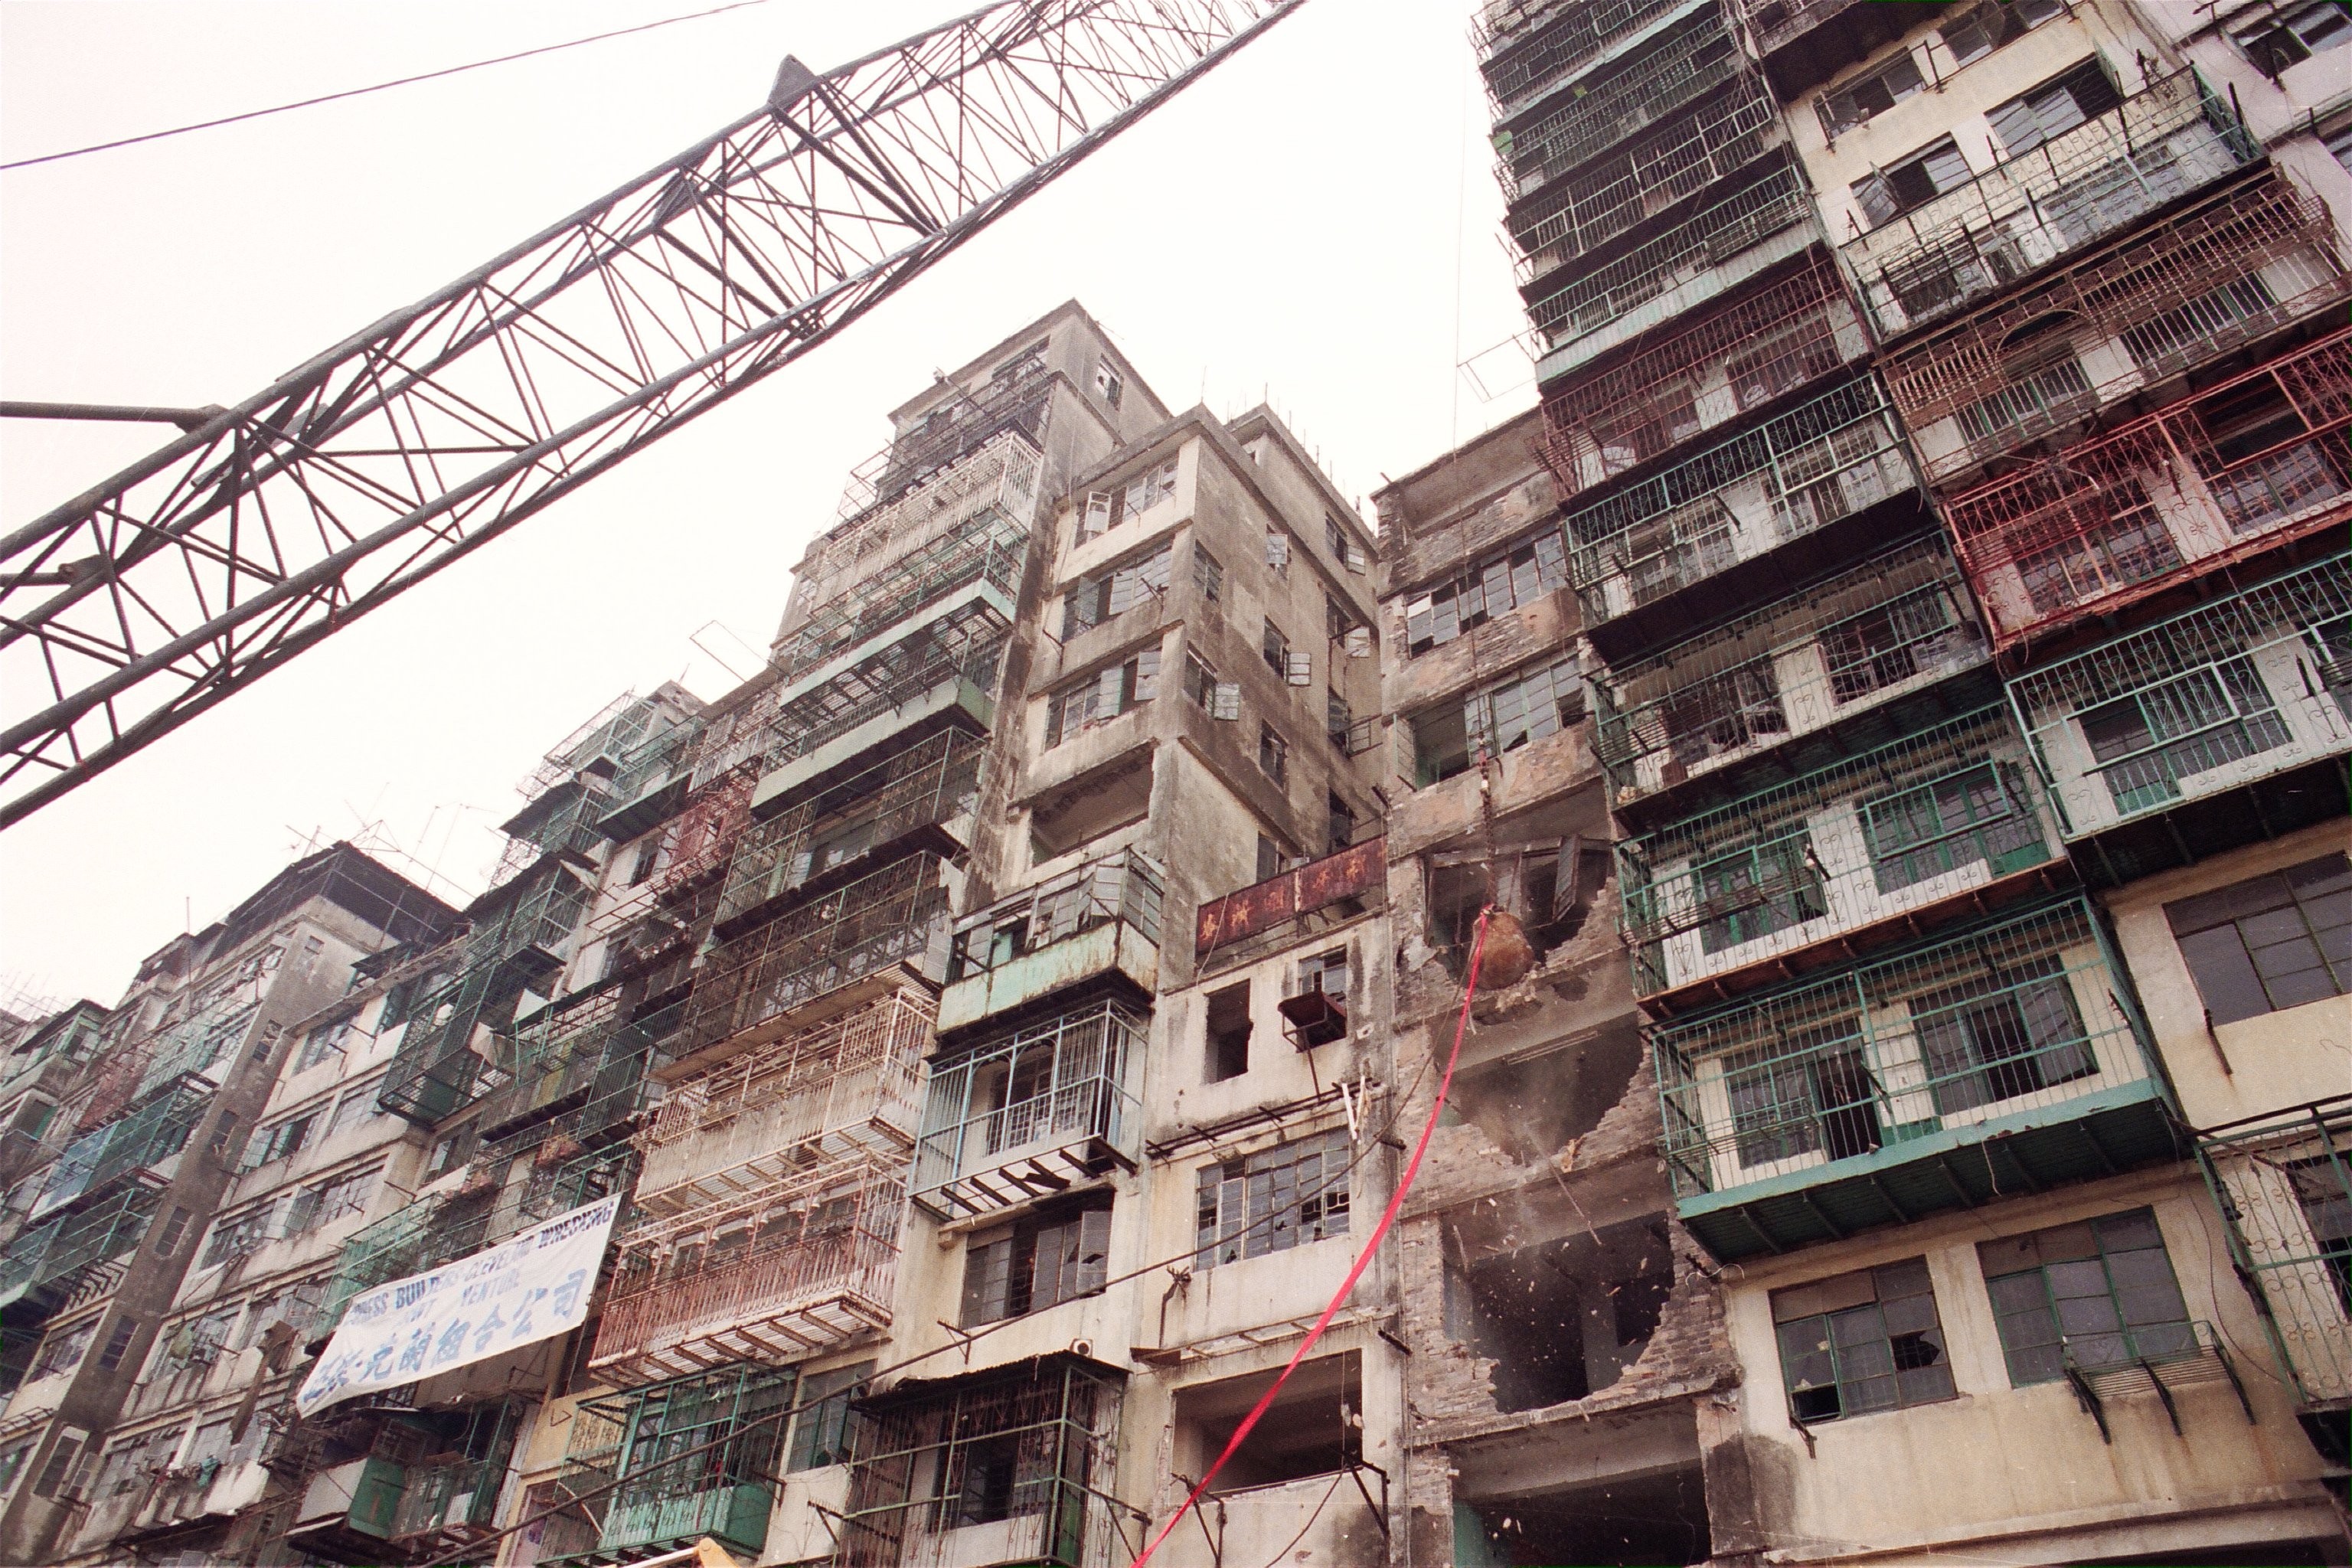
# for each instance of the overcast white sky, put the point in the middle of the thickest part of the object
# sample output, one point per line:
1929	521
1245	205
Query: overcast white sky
1316	221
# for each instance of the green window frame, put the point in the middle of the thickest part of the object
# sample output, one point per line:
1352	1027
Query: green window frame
2007	1032
2269	943
726	1408
2143	745
1813	1093
1979	814
1757	892
1861	1343
821	1430
2102	1289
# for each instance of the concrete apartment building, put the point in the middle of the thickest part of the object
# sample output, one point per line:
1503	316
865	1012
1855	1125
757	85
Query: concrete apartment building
1895	684
163	1108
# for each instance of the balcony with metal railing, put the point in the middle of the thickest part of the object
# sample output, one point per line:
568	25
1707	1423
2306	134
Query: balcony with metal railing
1996	1060
43	1264
2076	188
1528	51
1727	365
778	1275
584	1054
1812	664
1569	131
1026	1114
700	845
649	782
1766	221
1803	43
934	672
2187	722
986	545
201	1045
135	1143
2283	1186
750	987
1833	459
724	1495
2241	468
920	797
848	1086
1014	408
1099	921
2193	286
561	821
1943	823
604	741
419	1236
1638	181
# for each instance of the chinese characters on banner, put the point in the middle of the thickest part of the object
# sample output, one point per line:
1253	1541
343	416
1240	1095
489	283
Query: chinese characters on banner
509	1295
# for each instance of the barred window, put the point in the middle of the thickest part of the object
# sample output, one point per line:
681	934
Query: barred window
1979	814
1273	1200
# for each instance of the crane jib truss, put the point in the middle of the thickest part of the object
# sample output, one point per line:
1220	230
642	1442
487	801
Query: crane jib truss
144	602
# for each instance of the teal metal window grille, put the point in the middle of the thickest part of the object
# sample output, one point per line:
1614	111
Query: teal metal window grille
1273	1200
2284	1185
665	1498
1761	890
1560	44
961	645
990	547
1861	1343
820	1434
1999	1019
2094	1294
2276	941
1698	60
2191	724
1982	813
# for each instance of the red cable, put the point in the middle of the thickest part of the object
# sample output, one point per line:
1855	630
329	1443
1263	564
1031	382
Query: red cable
1363	1259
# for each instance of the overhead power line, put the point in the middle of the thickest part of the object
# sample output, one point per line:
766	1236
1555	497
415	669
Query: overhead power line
379	87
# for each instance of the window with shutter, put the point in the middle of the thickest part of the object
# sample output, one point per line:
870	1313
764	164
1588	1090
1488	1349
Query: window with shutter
1277	550
1226	702
1299	669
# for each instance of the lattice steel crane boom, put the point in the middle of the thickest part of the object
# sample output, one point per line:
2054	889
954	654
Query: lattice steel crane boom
138	604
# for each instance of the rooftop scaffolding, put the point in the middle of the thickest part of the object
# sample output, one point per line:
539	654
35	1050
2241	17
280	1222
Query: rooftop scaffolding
1835	457
1693	61
790	1271
650	781
1854	855
1642	179
1893	625
898	914
561	820
1012	1466
1557	39
1096	921
1723	365
1697	260
2175	296
601	743
2073	190
846	1086
960	644
988	544
2217	697
2243	465
929	784
1821	1108
1027	1114
2284	1183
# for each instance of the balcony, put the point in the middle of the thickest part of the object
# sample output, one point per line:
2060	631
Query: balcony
195	1046
2074	190
562	820
44	1263
2207	706
922	796
599	746
1763	223
1098	922
1008	416
136	1142
1890	627
584	1057
1529	49
750	987
1694	61
725	1495
1013	1466
1803	43
1950	820
1029	1113
988	545
925	675
778	1275
2284	1185
1997	1062
649	782
844	1088
2241	468
1727	365
1829	460
2179	295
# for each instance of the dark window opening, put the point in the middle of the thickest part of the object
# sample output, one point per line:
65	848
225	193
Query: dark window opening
1560	1318
1341	829
2056	107
1550	889
1314	1428
1228	1032
1530	1106
2269	943
1646	1519
1913	183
